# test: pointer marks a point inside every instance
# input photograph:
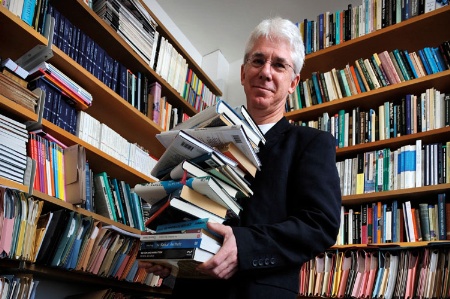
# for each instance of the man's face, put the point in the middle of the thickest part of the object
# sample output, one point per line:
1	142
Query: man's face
266	85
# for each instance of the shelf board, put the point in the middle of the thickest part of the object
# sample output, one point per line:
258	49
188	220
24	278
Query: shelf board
410	193
79	277
411	34
396	245
373	98
427	137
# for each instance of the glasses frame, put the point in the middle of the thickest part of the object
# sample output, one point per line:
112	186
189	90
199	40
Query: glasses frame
253	62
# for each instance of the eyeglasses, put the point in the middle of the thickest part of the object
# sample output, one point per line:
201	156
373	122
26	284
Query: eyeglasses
277	66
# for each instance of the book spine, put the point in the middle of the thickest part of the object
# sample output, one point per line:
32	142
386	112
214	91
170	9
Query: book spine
174	253
169	244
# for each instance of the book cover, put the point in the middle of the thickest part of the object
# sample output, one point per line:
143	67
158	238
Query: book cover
209	187
183	147
103	201
216	137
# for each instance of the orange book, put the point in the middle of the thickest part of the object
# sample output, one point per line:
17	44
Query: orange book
244	163
415	224
355	79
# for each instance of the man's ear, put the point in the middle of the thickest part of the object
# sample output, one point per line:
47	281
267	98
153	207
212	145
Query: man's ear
294	83
242	74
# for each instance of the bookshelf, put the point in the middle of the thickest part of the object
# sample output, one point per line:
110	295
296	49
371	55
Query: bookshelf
108	107
412	34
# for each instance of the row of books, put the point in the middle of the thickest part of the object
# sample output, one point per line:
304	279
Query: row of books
409	115
28	11
161	111
410	166
57	108
420	272
19	224
156	50
395	221
67	240
18	286
333	28
132	23
13	145
116	200
379	70
11	87
104	138
50	167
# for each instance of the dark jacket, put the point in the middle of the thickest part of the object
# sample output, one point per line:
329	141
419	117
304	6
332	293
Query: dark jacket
293	215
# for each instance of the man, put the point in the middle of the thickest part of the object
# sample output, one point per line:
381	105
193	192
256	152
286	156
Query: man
294	212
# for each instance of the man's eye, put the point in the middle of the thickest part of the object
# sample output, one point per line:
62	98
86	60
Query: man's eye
258	61
279	65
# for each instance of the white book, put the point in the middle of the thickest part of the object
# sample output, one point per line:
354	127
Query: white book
184	147
408	221
419	162
410	166
220	114
215	137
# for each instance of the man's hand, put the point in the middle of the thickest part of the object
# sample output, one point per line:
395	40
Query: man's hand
155	268
224	263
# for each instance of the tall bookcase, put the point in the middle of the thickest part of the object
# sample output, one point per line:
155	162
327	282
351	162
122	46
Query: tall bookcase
108	108
412	34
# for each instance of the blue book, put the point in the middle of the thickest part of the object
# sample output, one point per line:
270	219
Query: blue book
425	62
317	88
439	59
337	21
408	107
321	29
169	244
380	271
184	225
430	58
309	30
410	63
28	11
394	221
360	81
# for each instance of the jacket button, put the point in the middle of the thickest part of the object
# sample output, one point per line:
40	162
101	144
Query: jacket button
266	261
272	261
261	262
255	263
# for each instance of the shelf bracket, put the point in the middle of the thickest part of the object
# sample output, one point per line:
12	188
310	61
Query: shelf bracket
39	53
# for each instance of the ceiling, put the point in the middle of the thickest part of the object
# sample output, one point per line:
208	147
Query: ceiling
212	25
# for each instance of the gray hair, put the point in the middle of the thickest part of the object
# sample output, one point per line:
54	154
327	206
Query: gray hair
278	28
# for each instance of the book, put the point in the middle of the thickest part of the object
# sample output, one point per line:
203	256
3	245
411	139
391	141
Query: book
245	115
233	152
201	223
200	238
174	209
154	191
187	169
202	201
216	137
194	253
210	187
103	200
182	147
219	114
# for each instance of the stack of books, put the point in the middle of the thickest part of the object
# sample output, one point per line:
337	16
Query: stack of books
203	174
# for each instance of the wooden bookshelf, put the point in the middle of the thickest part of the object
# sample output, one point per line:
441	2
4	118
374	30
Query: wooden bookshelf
107	107
413	34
